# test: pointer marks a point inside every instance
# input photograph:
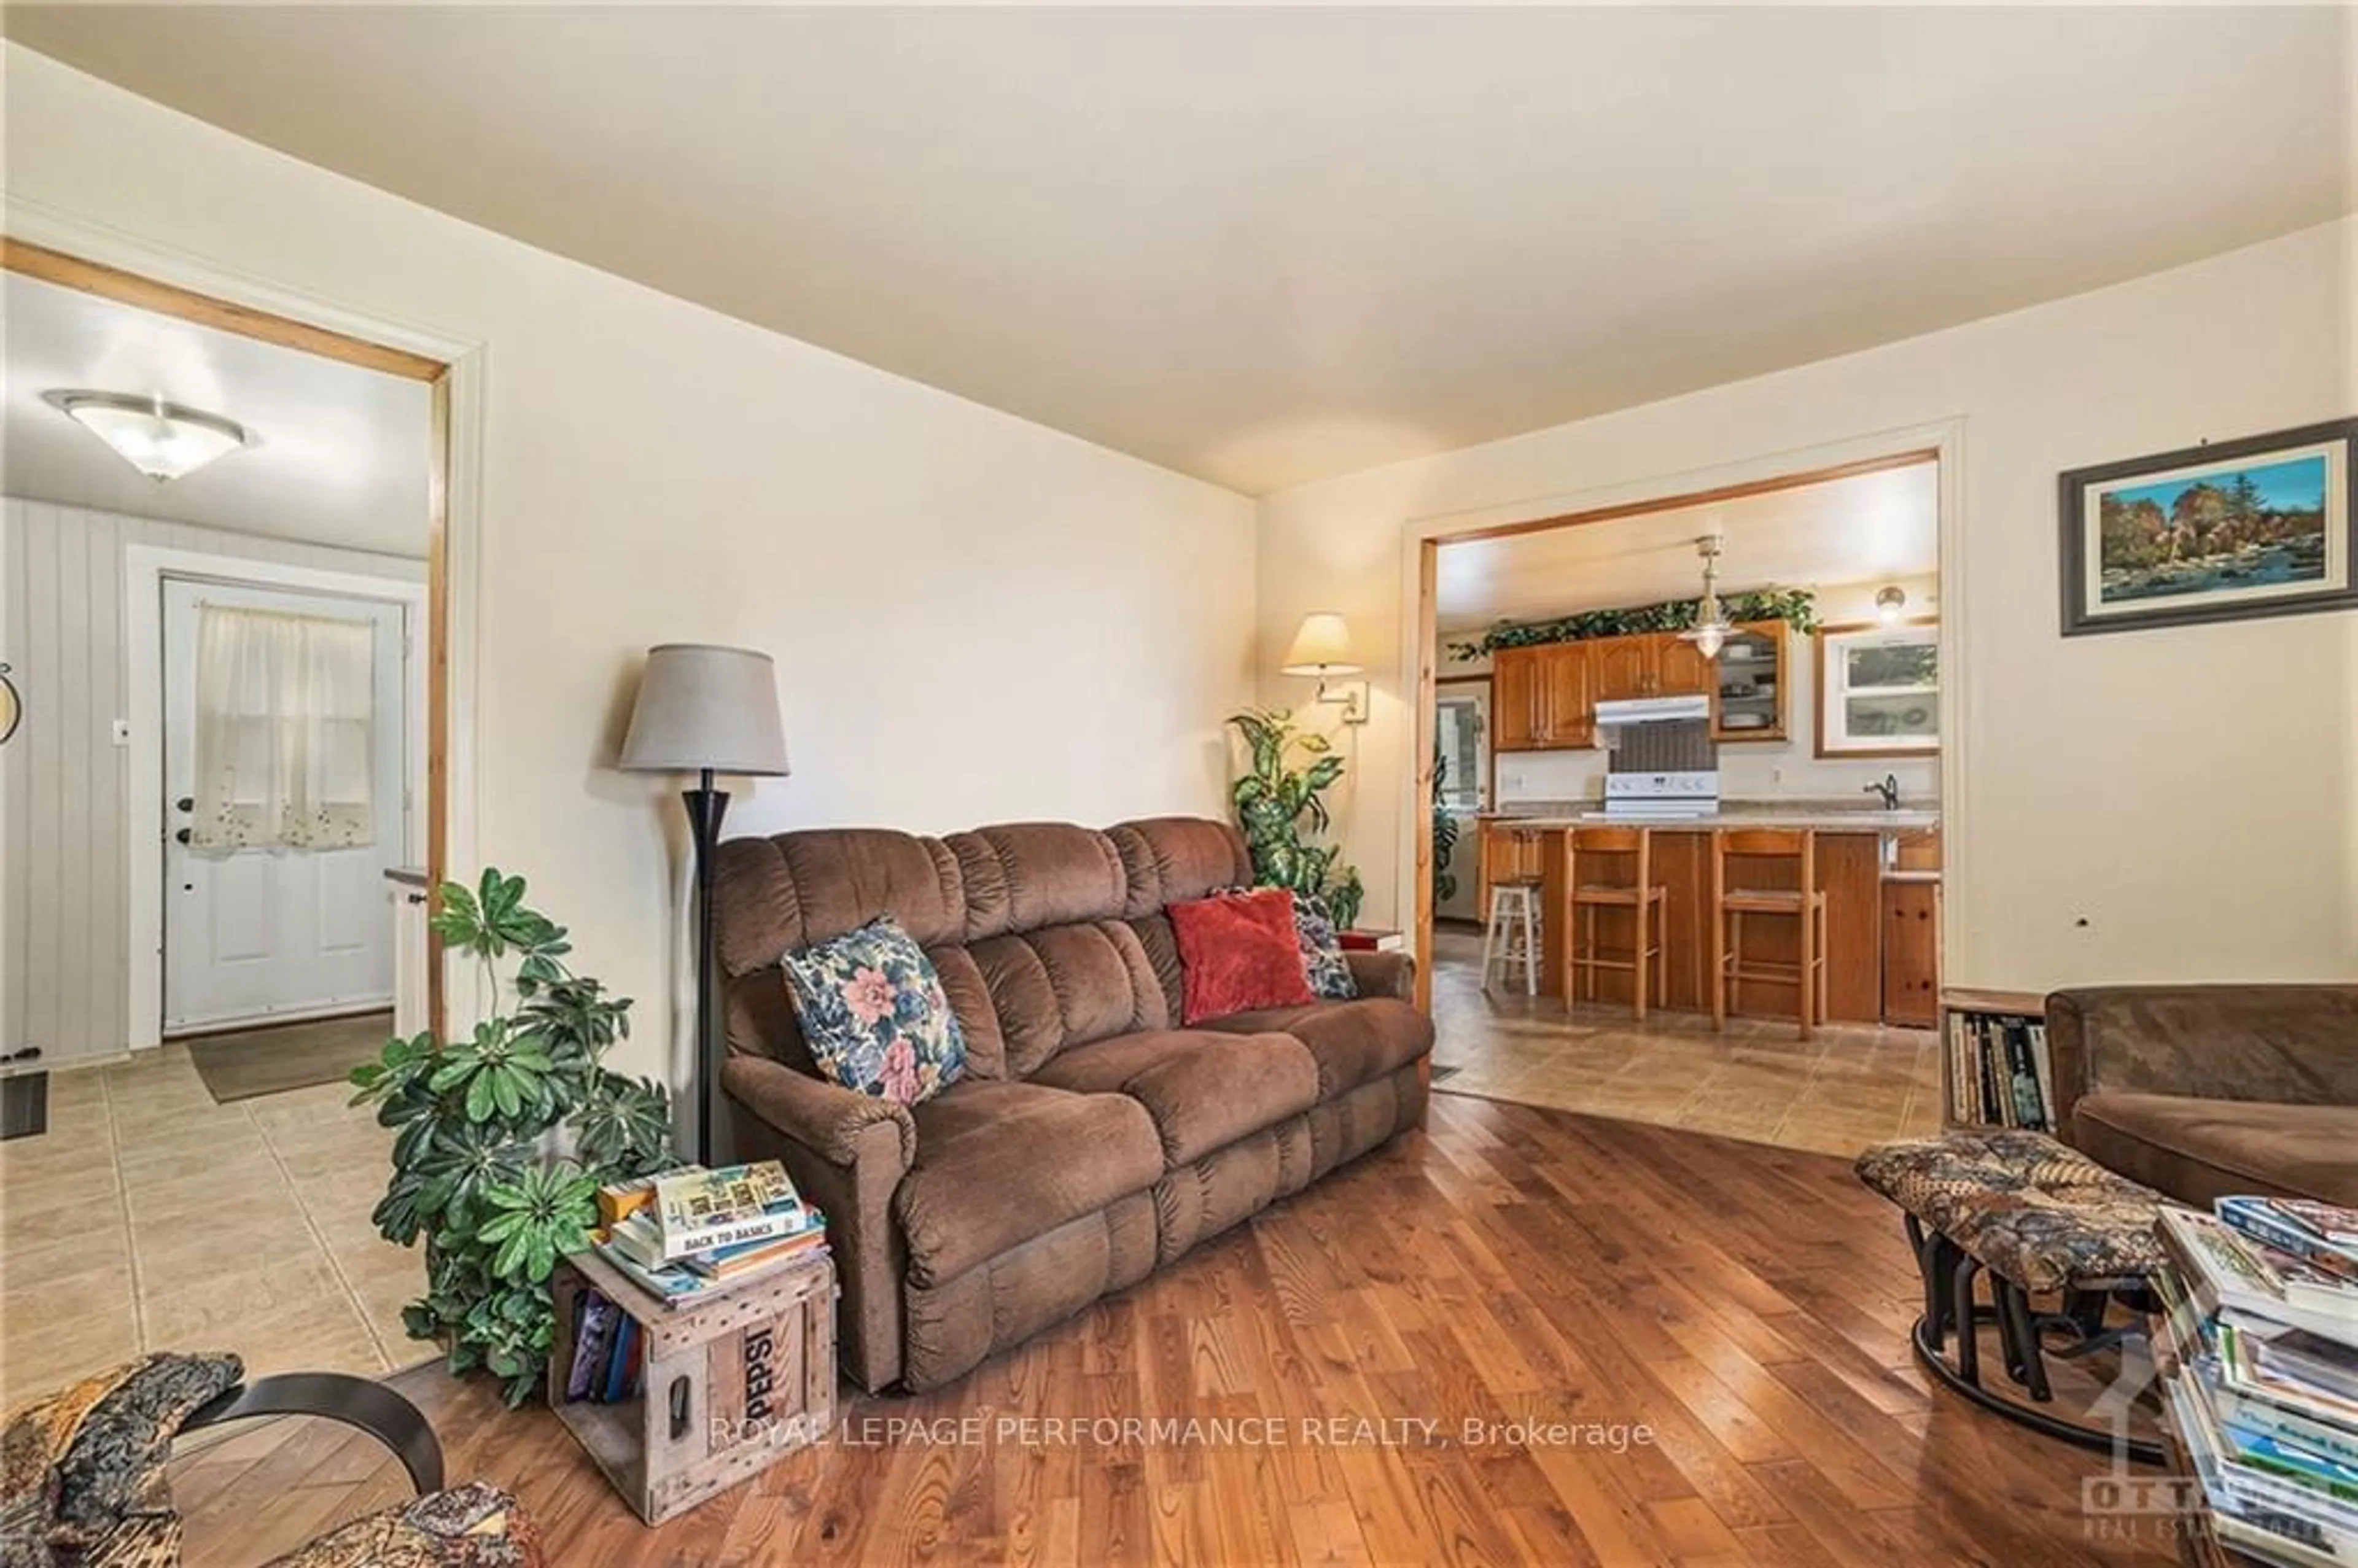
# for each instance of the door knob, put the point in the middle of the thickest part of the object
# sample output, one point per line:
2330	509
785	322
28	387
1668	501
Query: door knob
186	803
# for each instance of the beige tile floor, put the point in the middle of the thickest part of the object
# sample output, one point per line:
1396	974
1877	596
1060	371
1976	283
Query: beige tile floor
1846	1087
150	1217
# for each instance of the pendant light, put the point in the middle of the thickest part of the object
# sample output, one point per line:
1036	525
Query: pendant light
163	441
1711	630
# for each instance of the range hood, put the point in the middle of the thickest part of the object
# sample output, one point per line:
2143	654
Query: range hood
1651	710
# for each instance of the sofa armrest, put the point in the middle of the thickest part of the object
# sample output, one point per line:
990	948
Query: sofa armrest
1382	974
824	1117
846	1154
2295	1045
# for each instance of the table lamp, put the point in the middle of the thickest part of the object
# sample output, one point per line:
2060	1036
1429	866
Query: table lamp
706	711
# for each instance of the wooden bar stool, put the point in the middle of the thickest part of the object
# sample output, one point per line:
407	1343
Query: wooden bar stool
1803	902
1511	932
1648	907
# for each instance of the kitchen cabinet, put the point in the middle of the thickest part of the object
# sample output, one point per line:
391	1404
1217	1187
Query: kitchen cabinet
1515	720
1540	698
1911	949
1509	854
1567	705
1679	668
1749	696
1621	667
1546	698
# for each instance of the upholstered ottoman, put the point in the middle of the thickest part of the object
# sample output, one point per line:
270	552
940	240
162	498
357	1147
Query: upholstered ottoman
2038	1218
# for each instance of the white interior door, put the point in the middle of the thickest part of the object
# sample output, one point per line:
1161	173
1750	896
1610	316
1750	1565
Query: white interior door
260	934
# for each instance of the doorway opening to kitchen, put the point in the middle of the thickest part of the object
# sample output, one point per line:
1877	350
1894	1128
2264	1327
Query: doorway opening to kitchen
1699	881
221	604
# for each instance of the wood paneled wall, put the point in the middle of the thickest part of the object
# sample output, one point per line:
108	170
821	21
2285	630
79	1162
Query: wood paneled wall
62	851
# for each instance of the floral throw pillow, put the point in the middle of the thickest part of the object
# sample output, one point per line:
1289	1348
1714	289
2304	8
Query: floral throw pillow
874	1013
1322	951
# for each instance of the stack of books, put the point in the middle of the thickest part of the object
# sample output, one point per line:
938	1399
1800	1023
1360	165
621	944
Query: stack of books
692	1229
1998	1070
2264	1335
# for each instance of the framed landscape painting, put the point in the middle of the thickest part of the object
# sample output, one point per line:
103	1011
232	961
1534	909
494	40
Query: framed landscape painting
2259	527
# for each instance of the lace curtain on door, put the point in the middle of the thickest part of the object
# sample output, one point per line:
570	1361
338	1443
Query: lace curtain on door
286	730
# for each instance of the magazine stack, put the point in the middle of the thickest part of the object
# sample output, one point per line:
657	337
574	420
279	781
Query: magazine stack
2263	1327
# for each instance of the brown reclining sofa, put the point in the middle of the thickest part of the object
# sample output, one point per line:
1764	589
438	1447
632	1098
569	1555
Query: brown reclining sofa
2206	1091
1091	1140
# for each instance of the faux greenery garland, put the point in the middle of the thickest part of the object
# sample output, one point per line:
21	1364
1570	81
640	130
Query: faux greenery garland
1797	606
471	1119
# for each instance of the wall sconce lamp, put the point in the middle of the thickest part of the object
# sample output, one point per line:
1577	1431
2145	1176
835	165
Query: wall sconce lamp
1322	648
1888	602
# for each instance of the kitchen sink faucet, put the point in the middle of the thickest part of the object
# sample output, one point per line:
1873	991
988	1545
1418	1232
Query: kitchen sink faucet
1888	791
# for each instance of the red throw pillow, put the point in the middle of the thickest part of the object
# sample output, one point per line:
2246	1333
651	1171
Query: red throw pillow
1238	952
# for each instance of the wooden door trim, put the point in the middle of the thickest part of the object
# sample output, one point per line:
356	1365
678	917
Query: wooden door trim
188	305
1428	730
141	292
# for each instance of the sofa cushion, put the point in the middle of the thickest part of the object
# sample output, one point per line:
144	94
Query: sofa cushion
1204	1091
1322	964
1239	951
1352	1042
1066	985
1000	1162
770	895
874	1013
1170	860
2198	1150
1023	876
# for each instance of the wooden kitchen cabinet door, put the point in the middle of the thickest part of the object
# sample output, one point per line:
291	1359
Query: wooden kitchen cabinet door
1621	668
1567	710
1515	711
1679	668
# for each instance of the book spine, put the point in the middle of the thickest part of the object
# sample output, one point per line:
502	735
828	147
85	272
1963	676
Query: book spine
2043	1068
730	1233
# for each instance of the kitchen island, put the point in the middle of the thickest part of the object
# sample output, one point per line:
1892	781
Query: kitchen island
1879	870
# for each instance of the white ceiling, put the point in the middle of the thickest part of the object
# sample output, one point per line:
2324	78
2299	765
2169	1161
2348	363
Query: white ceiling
1869	528
1264	244
343	453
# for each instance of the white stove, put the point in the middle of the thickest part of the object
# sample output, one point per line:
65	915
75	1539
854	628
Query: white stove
1661	796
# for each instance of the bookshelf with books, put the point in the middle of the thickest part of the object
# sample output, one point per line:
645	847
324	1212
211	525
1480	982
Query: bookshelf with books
1995	1067
695	1335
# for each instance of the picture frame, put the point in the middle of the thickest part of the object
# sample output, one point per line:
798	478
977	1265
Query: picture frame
1878	689
2226	531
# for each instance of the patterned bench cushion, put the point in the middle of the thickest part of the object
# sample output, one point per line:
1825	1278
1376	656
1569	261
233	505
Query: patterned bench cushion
2023	1205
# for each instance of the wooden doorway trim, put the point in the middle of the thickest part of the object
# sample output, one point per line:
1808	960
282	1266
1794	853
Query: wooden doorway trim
1942	444
143	292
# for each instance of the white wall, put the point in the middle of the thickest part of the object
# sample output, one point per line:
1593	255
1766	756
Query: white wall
63	854
975	618
2141	805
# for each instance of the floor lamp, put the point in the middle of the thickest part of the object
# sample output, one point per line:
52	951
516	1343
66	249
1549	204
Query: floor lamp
706	711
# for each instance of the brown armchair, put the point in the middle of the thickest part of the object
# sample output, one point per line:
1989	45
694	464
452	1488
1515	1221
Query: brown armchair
2202	1091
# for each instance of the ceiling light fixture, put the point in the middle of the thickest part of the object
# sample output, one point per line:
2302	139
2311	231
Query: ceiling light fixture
163	441
1711	630
1888	601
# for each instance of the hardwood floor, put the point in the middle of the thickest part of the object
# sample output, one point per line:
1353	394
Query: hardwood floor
1746	1304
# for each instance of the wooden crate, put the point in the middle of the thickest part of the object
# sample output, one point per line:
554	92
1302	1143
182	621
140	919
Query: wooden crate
736	1378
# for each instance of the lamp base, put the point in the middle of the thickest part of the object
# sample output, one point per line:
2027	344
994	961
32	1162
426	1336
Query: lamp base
707	808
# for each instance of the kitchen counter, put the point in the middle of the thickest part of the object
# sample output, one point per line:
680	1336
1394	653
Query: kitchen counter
1823	815
1877	869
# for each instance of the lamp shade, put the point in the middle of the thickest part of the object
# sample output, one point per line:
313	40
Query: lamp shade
701	706
1322	647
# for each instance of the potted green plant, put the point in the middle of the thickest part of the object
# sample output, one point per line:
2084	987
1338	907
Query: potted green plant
502	1137
1275	798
